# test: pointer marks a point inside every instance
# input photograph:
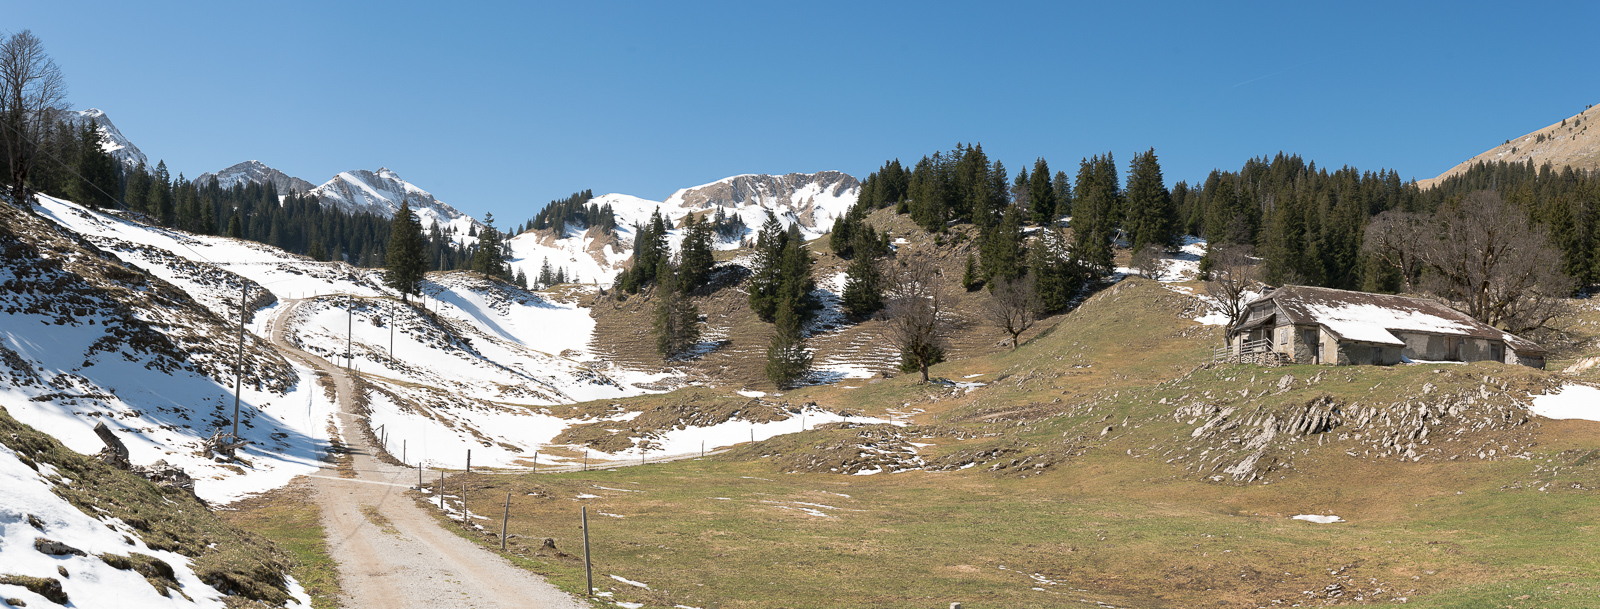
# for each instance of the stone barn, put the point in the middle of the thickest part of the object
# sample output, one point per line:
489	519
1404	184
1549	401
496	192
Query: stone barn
1309	325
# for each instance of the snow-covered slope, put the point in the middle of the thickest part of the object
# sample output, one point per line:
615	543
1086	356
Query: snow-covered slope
90	336
811	200
381	192
259	173
112	140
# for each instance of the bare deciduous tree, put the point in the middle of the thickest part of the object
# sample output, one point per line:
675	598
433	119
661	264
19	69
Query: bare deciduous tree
916	323
32	96
1013	307
1147	262
1487	259
1233	272
1396	237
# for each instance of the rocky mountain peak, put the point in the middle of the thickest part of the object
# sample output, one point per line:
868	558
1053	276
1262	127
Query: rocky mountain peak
259	173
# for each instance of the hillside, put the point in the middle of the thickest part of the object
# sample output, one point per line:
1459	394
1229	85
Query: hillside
1101	463
812	201
1568	143
1104	459
82	532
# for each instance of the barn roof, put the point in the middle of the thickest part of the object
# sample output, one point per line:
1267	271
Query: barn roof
1374	318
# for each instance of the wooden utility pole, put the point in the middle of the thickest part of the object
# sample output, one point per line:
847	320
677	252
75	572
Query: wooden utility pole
391	330
349	329
505	517
588	567
238	371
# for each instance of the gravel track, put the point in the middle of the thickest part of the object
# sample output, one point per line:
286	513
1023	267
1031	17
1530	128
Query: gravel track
417	563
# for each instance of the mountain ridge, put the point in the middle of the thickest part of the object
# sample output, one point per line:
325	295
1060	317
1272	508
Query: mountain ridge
257	172
1568	143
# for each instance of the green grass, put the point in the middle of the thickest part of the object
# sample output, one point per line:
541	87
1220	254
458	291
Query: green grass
1109	520
291	519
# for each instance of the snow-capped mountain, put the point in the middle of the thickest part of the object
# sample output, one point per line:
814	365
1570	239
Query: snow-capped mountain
812	200
259	173
112	140
381	192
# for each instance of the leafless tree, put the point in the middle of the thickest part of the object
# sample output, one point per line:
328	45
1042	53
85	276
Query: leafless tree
1147	262
1233	272
916	317
32	96
1487	259
1396	237
1013	307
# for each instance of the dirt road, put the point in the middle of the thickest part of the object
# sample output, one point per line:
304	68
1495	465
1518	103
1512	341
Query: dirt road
391	553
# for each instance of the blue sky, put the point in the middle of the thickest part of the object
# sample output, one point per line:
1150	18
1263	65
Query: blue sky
503	107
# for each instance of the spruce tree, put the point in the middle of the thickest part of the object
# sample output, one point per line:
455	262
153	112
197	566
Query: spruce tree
1003	255
766	278
863	286
1094	208
696	255
405	261
677	320
788	360
1151	216
490	257
1041	194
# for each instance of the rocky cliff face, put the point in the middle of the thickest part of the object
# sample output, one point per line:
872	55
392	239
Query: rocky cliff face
258	173
812	199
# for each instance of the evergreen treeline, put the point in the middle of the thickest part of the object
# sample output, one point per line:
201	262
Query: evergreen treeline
295	222
575	209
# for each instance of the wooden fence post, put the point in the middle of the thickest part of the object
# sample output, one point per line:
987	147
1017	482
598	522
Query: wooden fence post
588	567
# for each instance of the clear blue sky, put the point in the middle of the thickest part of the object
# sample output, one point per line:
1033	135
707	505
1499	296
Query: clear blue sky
504	107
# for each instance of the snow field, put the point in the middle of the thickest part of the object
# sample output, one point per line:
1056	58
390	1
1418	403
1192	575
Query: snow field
91	582
161	416
1571	402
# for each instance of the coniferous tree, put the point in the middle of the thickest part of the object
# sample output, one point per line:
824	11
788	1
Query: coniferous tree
696	255
1041	194
1094	217
1062	185
547	278
863	280
788	360
765	279
1057	276
1022	190
490	257
1003	255
405	259
676	322
97	171
1150	214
